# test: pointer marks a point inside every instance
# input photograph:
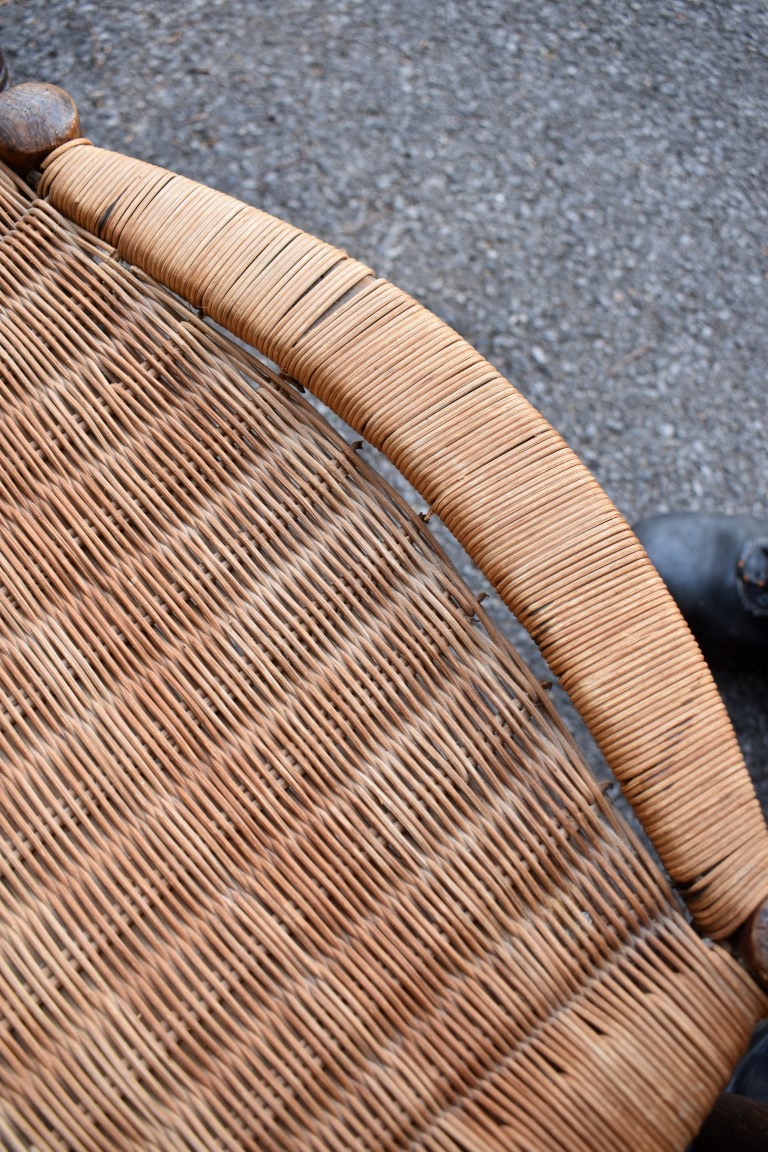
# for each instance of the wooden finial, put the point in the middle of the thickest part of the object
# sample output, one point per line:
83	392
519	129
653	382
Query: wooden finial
35	119
752	944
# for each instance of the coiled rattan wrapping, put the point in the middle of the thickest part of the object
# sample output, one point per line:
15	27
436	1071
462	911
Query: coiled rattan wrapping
501	479
294	853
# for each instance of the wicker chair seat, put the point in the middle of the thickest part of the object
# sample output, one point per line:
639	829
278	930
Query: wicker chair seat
295	852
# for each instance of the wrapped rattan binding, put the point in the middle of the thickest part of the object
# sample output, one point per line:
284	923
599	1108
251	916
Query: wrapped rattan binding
502	480
295	854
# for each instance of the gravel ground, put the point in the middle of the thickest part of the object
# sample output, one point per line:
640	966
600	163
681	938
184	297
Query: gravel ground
579	188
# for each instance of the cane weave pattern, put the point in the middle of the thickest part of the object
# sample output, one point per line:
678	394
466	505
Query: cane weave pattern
523	506
295	854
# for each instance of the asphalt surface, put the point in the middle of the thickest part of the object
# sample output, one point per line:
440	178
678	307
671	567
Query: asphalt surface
579	188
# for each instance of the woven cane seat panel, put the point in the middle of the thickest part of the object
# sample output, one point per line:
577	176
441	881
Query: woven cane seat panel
294	852
521	503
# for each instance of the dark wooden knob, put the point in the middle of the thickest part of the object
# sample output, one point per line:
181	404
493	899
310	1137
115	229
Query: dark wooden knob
752	944
35	119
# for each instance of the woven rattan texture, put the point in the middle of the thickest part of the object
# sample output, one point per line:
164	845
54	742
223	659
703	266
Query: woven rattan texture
294	853
502	480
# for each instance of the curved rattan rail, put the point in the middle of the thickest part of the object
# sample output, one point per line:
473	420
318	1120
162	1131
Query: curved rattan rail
503	481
